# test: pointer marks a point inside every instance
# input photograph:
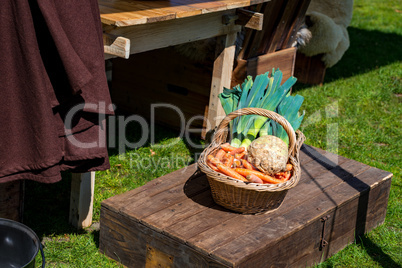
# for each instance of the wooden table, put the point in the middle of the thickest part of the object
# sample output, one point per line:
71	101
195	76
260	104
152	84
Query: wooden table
151	25
173	221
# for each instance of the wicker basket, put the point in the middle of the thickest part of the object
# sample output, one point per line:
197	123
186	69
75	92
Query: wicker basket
250	198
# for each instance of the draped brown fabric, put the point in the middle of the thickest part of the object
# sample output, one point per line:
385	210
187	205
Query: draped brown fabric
51	63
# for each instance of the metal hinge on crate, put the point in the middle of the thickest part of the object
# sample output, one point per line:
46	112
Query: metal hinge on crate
323	242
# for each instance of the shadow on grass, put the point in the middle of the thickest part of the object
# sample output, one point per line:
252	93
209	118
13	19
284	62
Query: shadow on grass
376	253
47	206
133	135
368	50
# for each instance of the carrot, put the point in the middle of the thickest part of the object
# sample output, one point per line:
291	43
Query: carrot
237	163
287	176
262	176
213	160
253	178
247	164
220	154
289	167
237	151
227	147
280	174
230	172
228	159
212	166
240	156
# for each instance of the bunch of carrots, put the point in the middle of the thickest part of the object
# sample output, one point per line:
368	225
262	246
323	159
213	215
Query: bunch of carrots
232	162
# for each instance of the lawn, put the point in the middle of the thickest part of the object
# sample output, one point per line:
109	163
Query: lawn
359	104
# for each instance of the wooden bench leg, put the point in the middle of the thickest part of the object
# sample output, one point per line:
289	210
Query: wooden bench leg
221	77
81	199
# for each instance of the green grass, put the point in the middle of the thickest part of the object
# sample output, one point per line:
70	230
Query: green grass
359	106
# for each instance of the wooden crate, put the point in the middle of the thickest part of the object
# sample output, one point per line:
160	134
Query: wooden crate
309	70
283	59
173	221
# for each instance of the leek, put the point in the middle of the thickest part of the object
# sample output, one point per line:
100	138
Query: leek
264	92
274	95
289	108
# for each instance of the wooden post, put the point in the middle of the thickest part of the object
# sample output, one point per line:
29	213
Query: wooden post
81	199
221	77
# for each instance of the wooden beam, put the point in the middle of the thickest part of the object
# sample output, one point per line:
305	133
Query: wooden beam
221	77
81	199
173	32
250	19
116	46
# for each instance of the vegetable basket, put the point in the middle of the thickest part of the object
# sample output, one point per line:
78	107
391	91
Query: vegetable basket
245	197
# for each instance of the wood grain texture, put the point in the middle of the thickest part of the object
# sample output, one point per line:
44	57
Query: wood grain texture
183	215
146	37
282	59
116	47
123	13
221	77
250	19
81	199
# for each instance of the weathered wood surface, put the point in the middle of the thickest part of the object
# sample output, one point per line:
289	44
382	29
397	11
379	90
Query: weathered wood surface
150	36
310	70
283	59
175	214
116	46
221	77
81	199
126	13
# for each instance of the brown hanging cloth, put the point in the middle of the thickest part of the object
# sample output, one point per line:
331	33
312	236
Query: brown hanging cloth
54	95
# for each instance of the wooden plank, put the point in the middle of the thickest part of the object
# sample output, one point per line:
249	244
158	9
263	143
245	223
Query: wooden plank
81	199
146	9
158	185
309	70
161	219
255	40
296	23
282	59
169	33
123	13
174	8
126	241
283	27
144	206
115	17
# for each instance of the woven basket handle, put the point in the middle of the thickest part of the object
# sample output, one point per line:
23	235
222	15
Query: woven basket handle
221	132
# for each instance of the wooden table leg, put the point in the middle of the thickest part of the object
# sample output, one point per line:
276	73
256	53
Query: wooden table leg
221	77
81	199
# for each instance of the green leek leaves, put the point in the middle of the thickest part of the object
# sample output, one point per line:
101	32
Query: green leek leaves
264	92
